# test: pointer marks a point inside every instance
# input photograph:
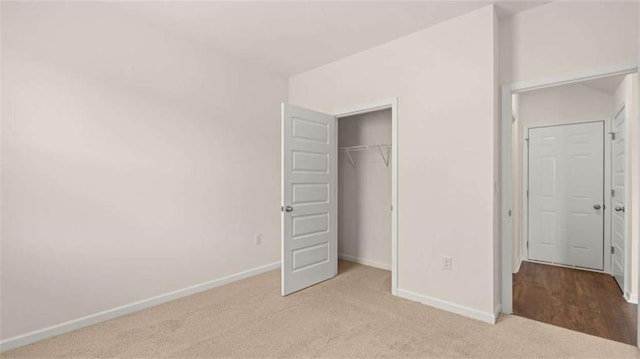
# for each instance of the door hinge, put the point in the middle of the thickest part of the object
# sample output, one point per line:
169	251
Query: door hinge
613	135
612	249
613	193
527	245
527	193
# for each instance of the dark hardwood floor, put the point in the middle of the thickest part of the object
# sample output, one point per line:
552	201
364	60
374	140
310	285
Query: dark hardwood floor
580	300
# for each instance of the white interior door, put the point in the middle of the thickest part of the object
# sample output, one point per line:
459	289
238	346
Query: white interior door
309	198
566	194
618	199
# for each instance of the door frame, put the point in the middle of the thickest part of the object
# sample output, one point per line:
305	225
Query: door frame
372	107
606	198
506	180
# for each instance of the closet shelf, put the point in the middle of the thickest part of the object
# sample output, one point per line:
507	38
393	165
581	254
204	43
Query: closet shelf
349	149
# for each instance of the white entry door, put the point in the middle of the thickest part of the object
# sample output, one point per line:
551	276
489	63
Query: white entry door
618	214
566	194
309	198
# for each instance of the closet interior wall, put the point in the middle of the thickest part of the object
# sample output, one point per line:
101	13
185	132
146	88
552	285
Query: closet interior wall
364	189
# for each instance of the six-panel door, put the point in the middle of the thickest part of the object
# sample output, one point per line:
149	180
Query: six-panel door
566	194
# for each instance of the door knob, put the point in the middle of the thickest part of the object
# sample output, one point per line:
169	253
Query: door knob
597	206
288	209
619	209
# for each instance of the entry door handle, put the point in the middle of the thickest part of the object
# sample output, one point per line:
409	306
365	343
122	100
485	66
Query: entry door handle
597	206
288	209
619	209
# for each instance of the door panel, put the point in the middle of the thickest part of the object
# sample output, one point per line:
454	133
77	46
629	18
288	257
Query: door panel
566	179
309	179
618	183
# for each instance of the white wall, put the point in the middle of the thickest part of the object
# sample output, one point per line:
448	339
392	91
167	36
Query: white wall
563	104
446	150
627	93
364	205
567	36
134	163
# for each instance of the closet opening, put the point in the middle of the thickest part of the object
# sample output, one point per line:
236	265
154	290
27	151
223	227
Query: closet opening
365	194
339	195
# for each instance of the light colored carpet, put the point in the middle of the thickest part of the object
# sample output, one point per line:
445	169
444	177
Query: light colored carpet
352	315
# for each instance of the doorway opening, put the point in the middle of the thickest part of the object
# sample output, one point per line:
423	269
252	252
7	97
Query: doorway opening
574	255
364	189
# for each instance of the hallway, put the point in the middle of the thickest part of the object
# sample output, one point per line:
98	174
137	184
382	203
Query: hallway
579	300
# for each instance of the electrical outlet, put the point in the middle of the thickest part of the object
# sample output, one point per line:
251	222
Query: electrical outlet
259	238
446	262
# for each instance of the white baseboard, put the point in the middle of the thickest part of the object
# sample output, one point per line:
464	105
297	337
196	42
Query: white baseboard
451	307
631	298
496	312
365	262
564	266
517	269
21	340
